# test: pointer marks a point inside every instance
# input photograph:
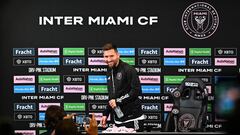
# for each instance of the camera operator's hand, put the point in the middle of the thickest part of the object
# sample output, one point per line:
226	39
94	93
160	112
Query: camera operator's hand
69	116
92	129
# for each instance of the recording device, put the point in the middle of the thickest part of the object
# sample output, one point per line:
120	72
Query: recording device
81	119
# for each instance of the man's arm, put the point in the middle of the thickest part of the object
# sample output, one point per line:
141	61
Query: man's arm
134	88
105	116
107	110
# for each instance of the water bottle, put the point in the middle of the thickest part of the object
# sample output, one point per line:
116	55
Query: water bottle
119	112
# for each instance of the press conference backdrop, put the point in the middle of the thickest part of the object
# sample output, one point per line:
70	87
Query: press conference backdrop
51	55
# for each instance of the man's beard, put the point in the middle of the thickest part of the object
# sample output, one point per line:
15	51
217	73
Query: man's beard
112	65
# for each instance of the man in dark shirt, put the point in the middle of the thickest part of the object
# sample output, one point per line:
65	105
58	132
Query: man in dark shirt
124	89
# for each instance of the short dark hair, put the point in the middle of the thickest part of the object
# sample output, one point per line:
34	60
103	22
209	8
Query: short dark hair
6	126
53	115
109	46
66	127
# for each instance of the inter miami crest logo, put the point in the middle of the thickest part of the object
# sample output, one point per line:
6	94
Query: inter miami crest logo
186	122
200	20
119	76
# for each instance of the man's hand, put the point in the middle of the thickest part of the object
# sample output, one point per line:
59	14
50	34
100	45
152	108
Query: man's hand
92	129
112	103
104	121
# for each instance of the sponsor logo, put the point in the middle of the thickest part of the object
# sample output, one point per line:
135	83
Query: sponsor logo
41	131
205	79
150	89
225	51
151	107
24	79
200	51
36	125
24	106
44	106
48	51
70	61
49	61
191	84
95	97
97	79
149	79
97	106
26	132
211	98
170	88
74	107
101	97
209	89
148	51
49	88
49	79
129	60
148	70
74	88
126	51
174	61
199	61
73	78
23	52
200	20
95	52
173	79
73	51
168	107
209	107
24	116
24	88
23	61
153	116
225	61
149	61
96	61
42	70
174	51
97	89
41	116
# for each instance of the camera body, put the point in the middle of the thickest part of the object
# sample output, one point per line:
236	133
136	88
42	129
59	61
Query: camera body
81	119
